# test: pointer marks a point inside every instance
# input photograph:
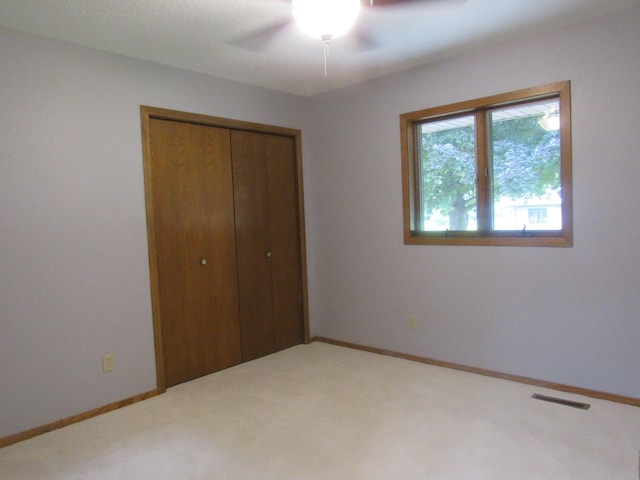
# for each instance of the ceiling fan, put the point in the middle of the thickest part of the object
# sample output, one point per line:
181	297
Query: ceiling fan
329	19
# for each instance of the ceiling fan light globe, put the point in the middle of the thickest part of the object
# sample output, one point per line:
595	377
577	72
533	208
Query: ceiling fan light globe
325	19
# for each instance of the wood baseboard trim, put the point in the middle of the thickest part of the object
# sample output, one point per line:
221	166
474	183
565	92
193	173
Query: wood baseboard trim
34	432
488	373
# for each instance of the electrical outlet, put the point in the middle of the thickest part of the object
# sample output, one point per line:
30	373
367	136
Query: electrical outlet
413	322
107	362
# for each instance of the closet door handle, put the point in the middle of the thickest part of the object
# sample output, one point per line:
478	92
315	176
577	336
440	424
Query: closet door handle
268	254
203	261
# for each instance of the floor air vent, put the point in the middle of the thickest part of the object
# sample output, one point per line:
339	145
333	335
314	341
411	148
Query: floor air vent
561	401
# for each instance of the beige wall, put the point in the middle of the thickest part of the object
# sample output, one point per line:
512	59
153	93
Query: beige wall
74	280
564	315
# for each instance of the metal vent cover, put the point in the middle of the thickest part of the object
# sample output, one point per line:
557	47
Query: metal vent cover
561	401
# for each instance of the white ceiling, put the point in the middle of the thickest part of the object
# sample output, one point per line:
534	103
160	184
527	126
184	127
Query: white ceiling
214	36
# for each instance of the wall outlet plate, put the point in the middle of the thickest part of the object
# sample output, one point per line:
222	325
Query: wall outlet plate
107	362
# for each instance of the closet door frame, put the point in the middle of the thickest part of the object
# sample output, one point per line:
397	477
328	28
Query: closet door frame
147	113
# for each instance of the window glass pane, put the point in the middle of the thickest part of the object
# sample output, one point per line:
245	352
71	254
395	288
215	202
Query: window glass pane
525	155
447	167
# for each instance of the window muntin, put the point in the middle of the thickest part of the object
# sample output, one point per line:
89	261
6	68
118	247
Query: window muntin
492	171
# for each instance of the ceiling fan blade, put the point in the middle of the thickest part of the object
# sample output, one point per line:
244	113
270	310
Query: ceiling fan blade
363	41
260	39
385	3
381	3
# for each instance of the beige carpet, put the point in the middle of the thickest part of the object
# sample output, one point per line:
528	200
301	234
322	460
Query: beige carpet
324	412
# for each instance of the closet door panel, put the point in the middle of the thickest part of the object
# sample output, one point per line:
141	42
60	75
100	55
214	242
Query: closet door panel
285	241
195	248
251	197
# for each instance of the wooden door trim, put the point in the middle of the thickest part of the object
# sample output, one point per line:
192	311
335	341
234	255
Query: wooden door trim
146	114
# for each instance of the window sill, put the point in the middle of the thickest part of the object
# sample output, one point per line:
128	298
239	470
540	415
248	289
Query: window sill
503	239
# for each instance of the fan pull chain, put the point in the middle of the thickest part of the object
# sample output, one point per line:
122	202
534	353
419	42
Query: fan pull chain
326	52
326	39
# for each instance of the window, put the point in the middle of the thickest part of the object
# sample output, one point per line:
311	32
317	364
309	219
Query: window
491	171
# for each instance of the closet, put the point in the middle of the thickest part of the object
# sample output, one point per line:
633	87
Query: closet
226	241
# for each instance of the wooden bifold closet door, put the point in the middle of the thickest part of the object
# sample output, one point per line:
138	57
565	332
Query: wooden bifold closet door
195	248
226	242
267	241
